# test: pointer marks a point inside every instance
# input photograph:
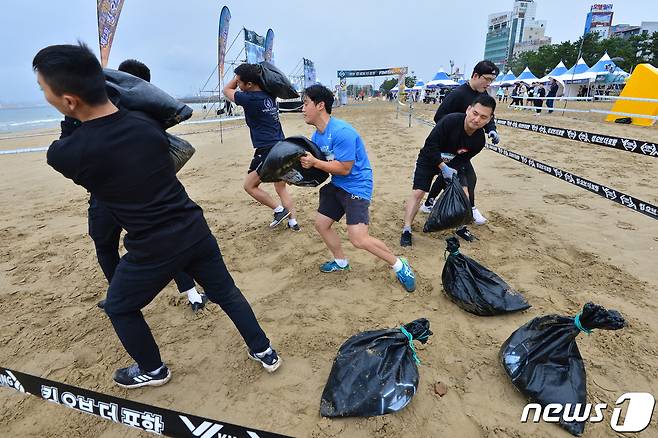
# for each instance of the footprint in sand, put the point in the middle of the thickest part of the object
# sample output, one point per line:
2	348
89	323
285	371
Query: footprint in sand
625	226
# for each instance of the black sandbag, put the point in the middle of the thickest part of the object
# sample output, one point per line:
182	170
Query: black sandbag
180	151
451	210
543	361
275	82
375	372
475	288
282	163
136	94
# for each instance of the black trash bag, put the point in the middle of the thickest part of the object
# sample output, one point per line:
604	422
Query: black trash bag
451	210
136	94
375	372
475	288
180	151
543	362
282	163
275	82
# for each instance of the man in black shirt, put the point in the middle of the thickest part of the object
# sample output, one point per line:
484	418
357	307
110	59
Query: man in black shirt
447	152
106	232
484	73
122	158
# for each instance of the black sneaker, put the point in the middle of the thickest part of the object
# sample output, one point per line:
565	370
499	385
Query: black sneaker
280	217
268	358
465	234
294	227
101	304
405	239
199	306
134	377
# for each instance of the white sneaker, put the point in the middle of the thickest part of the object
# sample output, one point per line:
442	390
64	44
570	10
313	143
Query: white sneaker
426	208
478	218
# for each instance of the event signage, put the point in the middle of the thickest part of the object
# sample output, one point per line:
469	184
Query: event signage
254	46
269	46
129	413
108	12
377	72
624	144
309	73
224	19
601	7
599	189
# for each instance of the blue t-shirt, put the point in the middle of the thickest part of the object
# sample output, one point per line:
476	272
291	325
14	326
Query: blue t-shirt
261	113
341	142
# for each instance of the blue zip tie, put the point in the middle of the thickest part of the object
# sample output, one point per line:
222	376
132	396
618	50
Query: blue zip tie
576	321
411	343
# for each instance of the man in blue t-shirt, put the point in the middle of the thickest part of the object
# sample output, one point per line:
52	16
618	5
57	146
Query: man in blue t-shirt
350	190
261	113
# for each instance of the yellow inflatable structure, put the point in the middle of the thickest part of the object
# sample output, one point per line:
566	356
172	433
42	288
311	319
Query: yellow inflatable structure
643	83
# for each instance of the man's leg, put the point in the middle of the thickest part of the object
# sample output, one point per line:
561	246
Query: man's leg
105	233
359	237
133	286
186	285
330	210
413	204
207	267
323	225
288	202
435	190
252	187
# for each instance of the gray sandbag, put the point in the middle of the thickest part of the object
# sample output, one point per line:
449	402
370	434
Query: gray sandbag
275	82
136	94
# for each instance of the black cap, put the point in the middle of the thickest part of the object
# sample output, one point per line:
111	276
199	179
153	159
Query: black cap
486	67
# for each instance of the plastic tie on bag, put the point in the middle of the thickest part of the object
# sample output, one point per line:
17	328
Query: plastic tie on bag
576	322
411	343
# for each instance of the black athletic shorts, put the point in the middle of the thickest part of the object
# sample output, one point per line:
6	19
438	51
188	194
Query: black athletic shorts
424	175
259	157
336	203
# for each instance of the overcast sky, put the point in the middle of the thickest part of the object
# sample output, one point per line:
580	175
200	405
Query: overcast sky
178	39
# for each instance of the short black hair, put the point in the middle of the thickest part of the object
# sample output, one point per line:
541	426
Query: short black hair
319	93
136	68
485	67
72	69
249	73
485	100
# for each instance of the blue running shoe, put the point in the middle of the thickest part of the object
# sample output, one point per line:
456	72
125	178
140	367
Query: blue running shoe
268	358
406	276
332	266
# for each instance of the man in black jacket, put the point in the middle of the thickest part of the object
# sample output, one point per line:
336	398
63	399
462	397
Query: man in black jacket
552	92
447	152
484	73
122	158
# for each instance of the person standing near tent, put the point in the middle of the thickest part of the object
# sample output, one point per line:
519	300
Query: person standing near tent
350	190
122	158
447	153
505	94
552	92
261	113
484	73
106	232
500	93
540	93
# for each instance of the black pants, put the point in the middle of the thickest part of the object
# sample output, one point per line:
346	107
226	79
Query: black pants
137	282
105	233
538	104
466	171
549	104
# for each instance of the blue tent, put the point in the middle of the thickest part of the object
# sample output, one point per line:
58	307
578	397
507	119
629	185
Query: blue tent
580	67
606	65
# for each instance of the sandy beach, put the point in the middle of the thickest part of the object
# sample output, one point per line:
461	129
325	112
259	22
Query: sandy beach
559	245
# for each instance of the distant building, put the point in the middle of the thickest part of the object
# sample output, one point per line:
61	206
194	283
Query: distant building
512	32
626	31
599	20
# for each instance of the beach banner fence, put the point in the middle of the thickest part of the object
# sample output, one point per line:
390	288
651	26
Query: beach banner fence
606	192
269	46
624	144
224	20
254	47
127	412
108	12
